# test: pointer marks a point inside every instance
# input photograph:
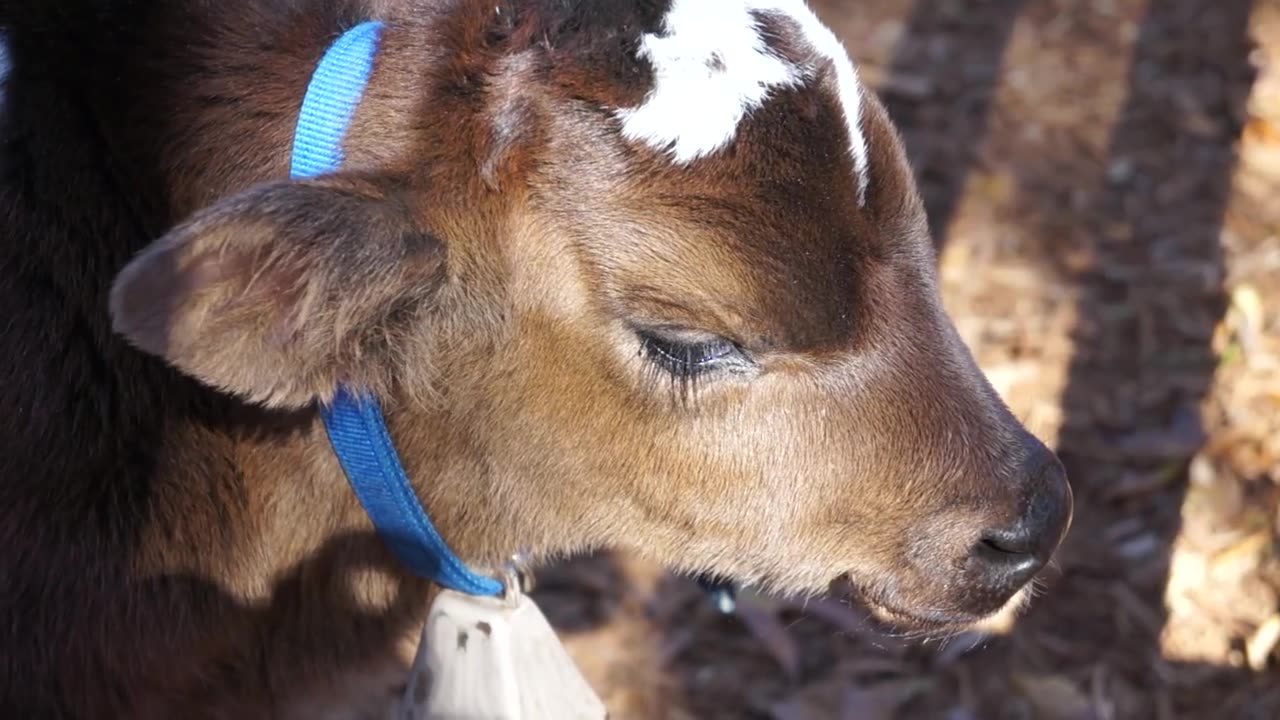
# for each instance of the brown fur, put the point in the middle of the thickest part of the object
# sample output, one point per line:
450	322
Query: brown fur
176	538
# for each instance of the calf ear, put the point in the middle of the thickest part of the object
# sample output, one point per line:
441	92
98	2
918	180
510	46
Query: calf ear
286	290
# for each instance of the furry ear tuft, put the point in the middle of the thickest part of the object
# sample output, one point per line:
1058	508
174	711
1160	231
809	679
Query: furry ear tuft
286	290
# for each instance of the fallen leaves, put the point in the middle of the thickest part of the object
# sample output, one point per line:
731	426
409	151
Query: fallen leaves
1262	643
764	625
1055	697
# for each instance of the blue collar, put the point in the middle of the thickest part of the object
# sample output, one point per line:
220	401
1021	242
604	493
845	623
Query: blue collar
355	424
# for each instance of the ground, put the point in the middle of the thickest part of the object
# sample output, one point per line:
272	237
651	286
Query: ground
1102	178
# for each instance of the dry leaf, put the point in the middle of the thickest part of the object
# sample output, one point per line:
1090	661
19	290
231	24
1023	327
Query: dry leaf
772	634
1263	641
1247	318
1055	698
882	700
793	709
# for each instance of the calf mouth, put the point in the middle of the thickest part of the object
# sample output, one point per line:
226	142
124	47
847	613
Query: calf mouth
897	620
892	616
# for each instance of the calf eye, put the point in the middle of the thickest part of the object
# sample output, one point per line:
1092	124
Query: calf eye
688	358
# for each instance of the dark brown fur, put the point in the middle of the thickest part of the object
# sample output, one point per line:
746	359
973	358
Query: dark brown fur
176	538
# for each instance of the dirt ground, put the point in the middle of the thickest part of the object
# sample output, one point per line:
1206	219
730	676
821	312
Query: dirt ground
1103	179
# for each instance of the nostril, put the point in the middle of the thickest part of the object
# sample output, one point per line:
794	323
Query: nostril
1026	529
1007	543
1004	558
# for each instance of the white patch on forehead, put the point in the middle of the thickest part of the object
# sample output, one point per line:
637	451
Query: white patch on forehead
712	67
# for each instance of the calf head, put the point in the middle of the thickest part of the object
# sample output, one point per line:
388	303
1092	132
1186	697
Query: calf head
642	274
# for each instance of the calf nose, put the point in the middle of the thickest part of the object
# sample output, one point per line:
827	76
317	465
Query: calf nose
1006	558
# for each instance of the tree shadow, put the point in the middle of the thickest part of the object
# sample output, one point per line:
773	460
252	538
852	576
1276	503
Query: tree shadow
925	93
1137	241
1150	296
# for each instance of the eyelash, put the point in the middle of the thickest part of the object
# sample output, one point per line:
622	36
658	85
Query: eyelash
681	365
685	361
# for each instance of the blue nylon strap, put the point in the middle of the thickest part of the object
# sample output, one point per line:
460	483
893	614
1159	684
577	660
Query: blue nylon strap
355	424
358	433
332	97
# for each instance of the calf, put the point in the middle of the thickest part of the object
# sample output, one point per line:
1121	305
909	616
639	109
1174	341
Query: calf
650	274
